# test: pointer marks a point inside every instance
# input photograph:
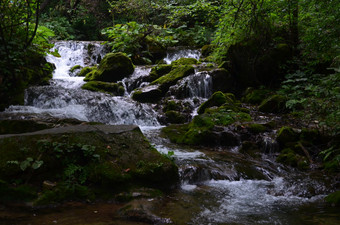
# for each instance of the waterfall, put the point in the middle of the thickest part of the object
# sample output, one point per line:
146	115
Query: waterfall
64	98
182	53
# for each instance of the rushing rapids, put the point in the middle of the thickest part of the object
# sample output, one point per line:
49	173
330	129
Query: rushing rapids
217	187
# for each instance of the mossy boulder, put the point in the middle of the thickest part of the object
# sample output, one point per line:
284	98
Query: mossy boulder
84	71
287	135
217	99
184	61
291	158
21	126
334	198
273	104
256	128
208	128
173	76
116	89
83	162
151	93
174	117
255	96
158	71
75	69
113	67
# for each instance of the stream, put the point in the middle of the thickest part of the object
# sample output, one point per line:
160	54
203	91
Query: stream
218	185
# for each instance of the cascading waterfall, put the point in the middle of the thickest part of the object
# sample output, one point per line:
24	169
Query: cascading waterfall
64	98
231	187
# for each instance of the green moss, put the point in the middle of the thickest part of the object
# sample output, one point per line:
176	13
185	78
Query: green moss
16	193
113	67
83	162
20	126
287	135
255	96
334	198
175	74
273	104
200	130
172	105
111	88
158	71
217	99
184	61
257	128
224	65
84	71
90	75
74	68
174	117
291	158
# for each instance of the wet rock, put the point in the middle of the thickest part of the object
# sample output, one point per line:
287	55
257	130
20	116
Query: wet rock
287	135
217	99
112	68
85	161
141	210
116	89
151	93
273	104
171	78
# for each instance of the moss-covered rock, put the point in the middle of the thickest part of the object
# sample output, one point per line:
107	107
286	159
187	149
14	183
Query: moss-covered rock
287	135
225	65
175	75
256	128
208	128
158	71
273	104
255	96
334	198
291	158
174	117
83	161
84	71
151	93
116	89
75	69
21	126
184	61
217	99
113	67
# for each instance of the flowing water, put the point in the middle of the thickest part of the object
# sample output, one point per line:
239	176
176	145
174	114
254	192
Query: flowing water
218	186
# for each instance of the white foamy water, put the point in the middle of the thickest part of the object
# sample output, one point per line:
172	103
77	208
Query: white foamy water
172	56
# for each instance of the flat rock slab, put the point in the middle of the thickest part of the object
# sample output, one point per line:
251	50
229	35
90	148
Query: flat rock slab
106	129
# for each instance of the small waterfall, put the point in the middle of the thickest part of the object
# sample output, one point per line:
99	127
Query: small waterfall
182	53
196	85
136	79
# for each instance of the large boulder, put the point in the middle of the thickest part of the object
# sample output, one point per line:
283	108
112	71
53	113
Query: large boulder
80	162
151	93
112	68
273	104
